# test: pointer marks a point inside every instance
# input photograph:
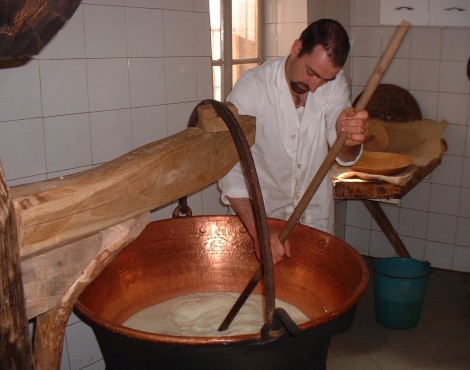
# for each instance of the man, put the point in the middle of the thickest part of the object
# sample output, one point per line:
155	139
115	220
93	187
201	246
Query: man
301	103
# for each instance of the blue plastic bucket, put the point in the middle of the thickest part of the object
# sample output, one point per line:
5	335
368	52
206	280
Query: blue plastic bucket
400	287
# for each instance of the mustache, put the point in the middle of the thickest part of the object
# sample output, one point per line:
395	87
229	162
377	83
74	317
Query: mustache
299	87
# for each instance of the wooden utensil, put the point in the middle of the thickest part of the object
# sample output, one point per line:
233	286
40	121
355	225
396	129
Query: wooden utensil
382	163
372	84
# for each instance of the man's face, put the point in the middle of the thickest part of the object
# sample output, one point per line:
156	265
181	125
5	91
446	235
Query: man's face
310	71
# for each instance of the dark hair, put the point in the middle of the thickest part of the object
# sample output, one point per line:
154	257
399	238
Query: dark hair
331	35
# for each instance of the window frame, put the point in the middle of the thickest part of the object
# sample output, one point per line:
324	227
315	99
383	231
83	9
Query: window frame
226	61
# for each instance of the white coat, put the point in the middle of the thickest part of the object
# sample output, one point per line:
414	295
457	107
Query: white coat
288	150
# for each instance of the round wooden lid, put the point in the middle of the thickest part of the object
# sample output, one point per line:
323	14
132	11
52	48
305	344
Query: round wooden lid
392	103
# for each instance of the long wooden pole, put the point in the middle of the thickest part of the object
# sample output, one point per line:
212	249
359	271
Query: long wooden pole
371	86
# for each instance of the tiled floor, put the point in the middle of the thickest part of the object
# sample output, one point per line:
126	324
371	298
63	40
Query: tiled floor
441	340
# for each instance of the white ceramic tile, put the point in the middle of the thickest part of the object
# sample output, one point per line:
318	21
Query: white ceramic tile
358	238
366	43
105	31
144	3
380	246
211	204
148	124
405	46
441	228
289	13
464	206
69	42
463	232
270	11
26	180
22	149
204	78
63	86
144	32
270	40
362	69
466	172
453	77
178	5
418	197
398	73
453	108
178	32
339	10
111	134
415	247
20	94
108	83
454	135
425	43
413	223
440	255
340	214
287	33
201	6
461	259
455	45
64	361
467	142
178	116
82	346
393	214
424	75
161	213
449	172
427	102
366	13
444	199
70	171
68	142
357	215
202	34
181	77
147	81
72	319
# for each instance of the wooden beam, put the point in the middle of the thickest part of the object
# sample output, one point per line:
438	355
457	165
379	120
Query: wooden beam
58	211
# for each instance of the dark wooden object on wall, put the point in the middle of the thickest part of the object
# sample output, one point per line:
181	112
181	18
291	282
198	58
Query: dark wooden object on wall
27	25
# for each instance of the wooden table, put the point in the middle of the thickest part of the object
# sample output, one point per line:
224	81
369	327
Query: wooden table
368	191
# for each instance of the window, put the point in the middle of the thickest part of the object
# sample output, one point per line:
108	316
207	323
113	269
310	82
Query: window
235	36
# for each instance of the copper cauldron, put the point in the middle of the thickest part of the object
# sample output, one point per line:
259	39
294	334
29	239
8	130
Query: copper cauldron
325	278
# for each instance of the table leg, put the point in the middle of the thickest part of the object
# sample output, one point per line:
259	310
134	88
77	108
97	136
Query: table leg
381	218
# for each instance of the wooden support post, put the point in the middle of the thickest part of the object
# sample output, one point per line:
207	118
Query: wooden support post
15	344
50	326
381	218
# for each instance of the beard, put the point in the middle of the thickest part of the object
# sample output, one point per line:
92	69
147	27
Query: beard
299	87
